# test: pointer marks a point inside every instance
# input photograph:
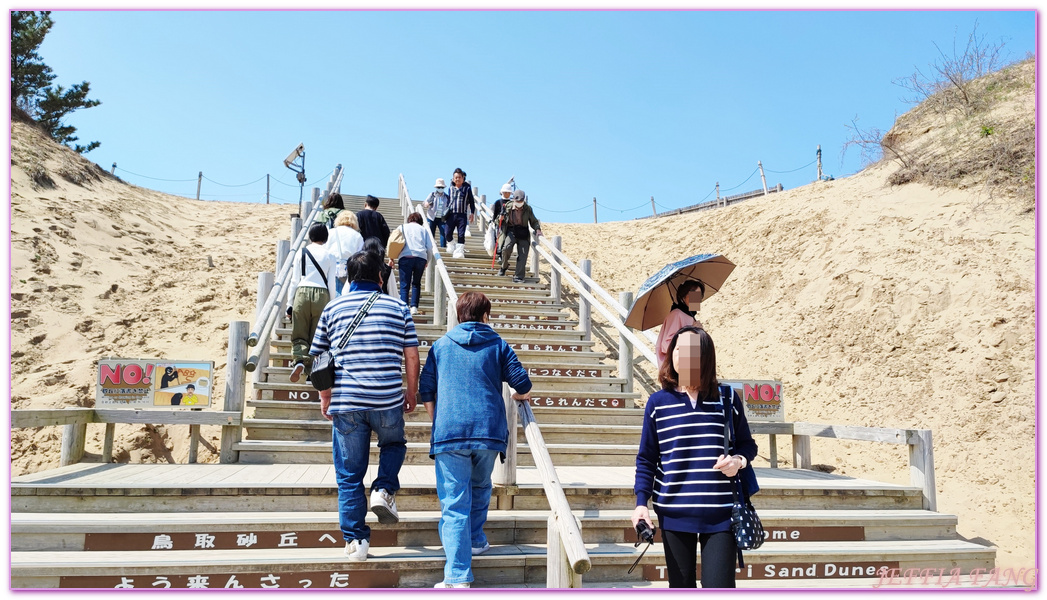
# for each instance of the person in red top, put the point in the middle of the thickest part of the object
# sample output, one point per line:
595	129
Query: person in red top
684	313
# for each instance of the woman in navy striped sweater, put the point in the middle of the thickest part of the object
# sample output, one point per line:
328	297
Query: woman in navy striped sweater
681	464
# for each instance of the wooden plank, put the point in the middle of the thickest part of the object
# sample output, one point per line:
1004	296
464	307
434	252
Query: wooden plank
165	417
51	416
851	432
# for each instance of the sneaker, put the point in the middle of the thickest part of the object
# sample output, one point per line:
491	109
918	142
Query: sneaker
356	550
518	280
296	373
384	505
501	272
444	584
414	310
481	550
459	251
450	246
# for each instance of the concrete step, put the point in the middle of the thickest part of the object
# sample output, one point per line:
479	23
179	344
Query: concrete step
256	452
129	488
557	398
422	566
308	410
318	429
32	532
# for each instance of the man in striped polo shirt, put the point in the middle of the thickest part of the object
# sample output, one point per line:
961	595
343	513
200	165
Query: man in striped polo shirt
367	396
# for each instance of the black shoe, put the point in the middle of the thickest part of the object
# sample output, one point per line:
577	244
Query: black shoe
501	272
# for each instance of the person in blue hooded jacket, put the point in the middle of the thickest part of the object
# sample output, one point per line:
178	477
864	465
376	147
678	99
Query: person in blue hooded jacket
461	387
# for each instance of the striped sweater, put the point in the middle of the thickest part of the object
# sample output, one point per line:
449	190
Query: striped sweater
678	447
368	375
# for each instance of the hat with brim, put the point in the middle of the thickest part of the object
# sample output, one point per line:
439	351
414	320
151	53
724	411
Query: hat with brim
440	183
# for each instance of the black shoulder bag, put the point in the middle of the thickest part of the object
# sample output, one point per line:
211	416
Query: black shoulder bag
745	524
322	376
306	252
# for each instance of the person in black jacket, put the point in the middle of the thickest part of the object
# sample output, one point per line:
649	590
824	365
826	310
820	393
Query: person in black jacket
372	223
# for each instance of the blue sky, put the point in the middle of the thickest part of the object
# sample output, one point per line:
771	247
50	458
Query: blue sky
617	105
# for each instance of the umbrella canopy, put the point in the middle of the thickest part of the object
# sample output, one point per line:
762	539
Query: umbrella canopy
656	296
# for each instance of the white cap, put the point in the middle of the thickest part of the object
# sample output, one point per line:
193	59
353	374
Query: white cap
507	189
440	183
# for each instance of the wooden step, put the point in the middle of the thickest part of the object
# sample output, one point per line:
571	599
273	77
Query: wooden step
120	531
296	409
282	356
516	342
593	385
422	566
539	397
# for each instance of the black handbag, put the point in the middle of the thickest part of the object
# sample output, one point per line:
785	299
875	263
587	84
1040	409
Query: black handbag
322	375
745	523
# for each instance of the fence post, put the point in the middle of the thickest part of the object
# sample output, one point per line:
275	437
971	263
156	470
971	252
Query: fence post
534	258
439	300
921	466
584	308
558	571
759	164
452	315
773	450
717	193
554	276
73	438
801	452
194	439
113	172
819	162
199	182
505	473
654	212
265	285
235	380
625	348
107	443
594	210
267	188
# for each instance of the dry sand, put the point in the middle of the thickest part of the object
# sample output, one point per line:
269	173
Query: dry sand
875	305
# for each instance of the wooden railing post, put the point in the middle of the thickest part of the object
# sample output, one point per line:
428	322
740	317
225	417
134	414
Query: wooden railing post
921	466
625	348
439	302
558	571
296	228
773	449
107	443
801	452
554	276
505	473
74	436
265	285
534	255
194	439
235	384
584	308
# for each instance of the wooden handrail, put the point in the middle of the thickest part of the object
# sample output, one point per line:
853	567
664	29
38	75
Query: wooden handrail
270	313
76	416
570	533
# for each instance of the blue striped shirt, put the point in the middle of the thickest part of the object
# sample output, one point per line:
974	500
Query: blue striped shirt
461	199
368	374
678	447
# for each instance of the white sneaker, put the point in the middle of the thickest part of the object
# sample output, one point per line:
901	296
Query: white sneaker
384	505
481	550
296	373
459	252
450	246
443	584
414	310
356	550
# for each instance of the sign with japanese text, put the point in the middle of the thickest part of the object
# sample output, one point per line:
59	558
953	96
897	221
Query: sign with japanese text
138	383
762	399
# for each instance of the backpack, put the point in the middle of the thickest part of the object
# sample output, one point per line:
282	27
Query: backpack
327	217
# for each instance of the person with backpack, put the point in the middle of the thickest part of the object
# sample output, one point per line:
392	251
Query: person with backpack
315	289
517	216
333	205
436	205
372	223
342	242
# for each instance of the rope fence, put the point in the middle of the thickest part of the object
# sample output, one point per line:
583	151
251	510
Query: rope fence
263	193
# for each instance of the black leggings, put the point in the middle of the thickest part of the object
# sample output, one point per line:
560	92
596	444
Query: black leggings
719	554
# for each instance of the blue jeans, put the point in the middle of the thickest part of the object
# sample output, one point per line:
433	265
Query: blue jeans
456	221
411	270
351	433
463	484
438	224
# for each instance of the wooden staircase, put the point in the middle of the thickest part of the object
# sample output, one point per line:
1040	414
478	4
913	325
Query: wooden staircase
270	521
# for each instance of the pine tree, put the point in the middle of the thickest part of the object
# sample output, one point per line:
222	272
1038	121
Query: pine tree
31	89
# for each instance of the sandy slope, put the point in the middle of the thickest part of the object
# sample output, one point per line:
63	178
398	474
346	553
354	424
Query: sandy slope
900	306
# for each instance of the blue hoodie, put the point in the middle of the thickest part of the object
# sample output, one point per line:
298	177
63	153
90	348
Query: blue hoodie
463	375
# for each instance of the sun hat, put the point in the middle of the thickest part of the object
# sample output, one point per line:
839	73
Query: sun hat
440	182
507	188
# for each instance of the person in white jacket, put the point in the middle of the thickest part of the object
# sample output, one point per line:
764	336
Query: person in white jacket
315	289
343	241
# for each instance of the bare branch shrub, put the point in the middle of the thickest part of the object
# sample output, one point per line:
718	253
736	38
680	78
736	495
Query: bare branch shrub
873	145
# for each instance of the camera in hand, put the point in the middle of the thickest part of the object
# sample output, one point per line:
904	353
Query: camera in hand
644	532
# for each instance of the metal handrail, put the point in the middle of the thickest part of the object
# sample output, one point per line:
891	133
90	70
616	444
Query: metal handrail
270	313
